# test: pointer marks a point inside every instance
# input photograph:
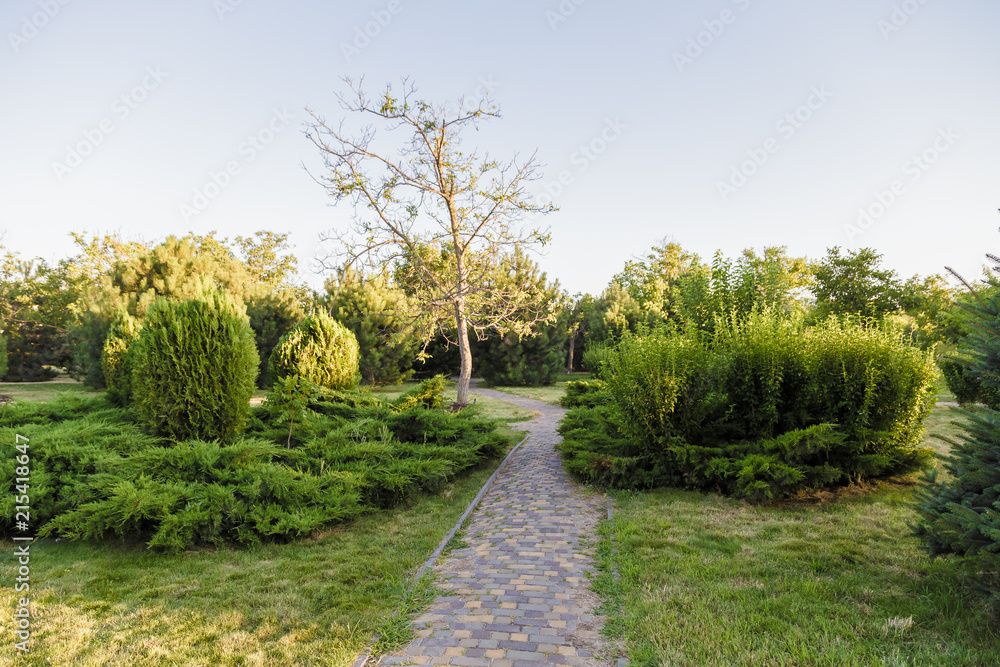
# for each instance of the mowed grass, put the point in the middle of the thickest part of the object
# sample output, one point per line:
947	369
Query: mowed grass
317	601
942	392
550	394
43	391
831	580
489	408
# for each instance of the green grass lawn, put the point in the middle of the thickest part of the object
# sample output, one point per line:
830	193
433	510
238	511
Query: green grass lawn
706	580
550	394
490	408
43	391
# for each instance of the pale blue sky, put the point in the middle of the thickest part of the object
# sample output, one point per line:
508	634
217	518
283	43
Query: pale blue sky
879	96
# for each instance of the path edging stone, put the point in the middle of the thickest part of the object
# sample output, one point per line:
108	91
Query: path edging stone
363	659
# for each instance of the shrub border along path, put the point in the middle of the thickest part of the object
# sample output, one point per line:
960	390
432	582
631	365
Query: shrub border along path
519	592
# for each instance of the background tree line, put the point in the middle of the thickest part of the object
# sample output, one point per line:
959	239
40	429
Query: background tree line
58	316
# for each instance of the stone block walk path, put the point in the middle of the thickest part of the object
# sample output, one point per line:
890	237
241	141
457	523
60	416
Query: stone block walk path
519	594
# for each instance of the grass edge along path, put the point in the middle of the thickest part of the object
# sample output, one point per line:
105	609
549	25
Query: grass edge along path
396	631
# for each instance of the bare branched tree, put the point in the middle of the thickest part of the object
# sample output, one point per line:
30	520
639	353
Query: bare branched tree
444	221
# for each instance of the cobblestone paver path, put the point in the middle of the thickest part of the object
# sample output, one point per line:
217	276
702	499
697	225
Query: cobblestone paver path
519	594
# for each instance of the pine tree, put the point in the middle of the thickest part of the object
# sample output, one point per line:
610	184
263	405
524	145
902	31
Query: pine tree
512	358
383	319
961	515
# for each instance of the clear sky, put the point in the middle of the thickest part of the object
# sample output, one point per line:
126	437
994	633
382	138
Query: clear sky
719	124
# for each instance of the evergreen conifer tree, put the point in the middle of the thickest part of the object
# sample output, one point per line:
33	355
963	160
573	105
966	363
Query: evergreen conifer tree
383	319
961	514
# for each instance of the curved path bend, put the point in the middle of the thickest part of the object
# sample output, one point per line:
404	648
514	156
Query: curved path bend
519	594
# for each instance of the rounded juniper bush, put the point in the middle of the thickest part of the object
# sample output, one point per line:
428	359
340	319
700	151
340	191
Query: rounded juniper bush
318	349
195	367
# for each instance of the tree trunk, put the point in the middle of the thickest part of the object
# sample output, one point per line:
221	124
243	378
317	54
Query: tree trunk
464	352
572	344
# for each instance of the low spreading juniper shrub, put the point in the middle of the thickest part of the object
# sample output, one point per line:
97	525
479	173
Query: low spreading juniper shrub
65	407
74	443
584	394
429	394
97	474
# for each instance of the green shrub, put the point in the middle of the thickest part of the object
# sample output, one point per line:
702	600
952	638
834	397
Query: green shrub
428	394
289	400
86	341
205	493
194	368
3	356
584	393
522	361
663	389
318	349
764	373
271	315
596	357
32	350
870	382
960	514
965	387
965	381
597	452
96	474
762	410
381	316
116	361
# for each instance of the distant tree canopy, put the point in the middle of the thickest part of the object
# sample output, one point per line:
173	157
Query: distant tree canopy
674	288
35	312
182	267
523	360
58	316
854	284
